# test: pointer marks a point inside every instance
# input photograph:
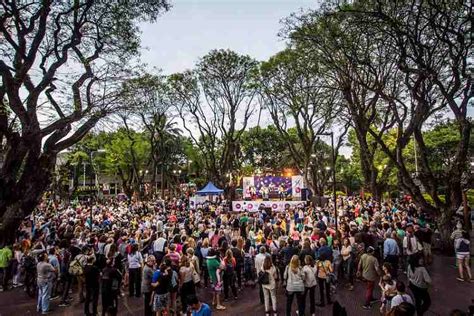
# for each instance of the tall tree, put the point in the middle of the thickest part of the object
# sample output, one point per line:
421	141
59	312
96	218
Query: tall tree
127	155
60	67
293	93
329	38
412	60
215	102
148	102
432	46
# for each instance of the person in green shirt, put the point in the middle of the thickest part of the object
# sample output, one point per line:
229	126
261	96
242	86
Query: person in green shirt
244	219
370	271
214	269
5	257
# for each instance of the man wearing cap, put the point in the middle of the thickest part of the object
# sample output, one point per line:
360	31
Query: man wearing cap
369	269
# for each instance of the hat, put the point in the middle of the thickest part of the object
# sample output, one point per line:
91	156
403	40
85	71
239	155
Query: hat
370	249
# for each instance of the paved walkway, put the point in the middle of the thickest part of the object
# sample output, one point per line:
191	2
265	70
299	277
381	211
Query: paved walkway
446	294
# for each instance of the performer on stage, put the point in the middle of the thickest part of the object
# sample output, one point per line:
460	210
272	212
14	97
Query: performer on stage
281	192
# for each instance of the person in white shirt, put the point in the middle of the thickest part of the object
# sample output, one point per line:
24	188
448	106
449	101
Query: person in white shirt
309	271
135	263
259	260
159	247
401	297
269	290
411	245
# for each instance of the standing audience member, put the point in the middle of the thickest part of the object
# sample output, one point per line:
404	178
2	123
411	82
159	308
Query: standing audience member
369	270
269	290
463	249
324	268
92	285
135	263
45	273
419	280
294	285
147	290
310	282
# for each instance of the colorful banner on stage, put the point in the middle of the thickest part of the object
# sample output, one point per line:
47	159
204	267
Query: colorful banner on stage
297	184
248	184
265	187
252	206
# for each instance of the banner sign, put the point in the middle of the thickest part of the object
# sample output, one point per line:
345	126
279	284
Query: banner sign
253	206
195	200
248	184
297	184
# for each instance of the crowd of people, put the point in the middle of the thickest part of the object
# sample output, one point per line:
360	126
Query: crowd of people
168	255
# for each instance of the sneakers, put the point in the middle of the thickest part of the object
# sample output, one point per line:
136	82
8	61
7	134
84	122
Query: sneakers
64	304
220	307
54	298
460	279
366	307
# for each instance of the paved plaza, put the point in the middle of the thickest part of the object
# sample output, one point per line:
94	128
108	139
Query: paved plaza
446	294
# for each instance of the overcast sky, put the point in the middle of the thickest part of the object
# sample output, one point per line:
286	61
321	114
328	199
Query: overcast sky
194	27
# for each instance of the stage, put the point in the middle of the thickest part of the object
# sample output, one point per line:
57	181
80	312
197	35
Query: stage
253	206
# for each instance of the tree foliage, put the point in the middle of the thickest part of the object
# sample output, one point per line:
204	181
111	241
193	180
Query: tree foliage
61	67
215	102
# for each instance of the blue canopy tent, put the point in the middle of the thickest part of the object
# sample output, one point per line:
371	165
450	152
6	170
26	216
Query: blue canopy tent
210	189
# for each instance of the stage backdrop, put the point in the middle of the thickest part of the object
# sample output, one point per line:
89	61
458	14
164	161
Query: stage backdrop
270	182
252	206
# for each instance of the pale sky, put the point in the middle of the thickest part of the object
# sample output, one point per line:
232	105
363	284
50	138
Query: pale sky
194	27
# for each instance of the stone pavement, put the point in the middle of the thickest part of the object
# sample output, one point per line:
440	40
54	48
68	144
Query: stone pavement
446	294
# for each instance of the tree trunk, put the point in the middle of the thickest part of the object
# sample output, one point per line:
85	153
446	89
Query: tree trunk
21	198
445	228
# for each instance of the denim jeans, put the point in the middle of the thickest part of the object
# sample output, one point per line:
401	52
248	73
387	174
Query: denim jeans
43	296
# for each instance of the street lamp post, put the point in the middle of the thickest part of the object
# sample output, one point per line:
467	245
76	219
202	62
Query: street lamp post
96	178
95	172
84	175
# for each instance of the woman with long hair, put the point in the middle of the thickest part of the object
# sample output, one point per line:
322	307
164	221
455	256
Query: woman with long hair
324	267
310	282
135	264
229	274
294	285
419	281
186	282
249	254
269	290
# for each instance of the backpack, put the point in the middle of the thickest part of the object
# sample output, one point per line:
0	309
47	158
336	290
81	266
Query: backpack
229	268
28	263
463	246
239	257
75	267
263	277
321	225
